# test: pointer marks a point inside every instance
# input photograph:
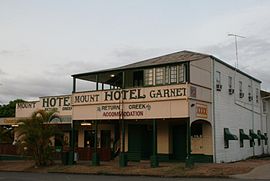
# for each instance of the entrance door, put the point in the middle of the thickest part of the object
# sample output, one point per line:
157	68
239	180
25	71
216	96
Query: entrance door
139	142
105	138
179	142
89	138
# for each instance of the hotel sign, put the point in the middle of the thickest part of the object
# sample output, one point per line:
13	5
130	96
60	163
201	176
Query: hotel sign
137	103
129	95
62	104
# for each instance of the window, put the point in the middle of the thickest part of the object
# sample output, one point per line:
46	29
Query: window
181	73
257	95
241	94
264	107
137	78
167	75
249	93
218	82
230	82
240	86
148	77
173	72
196	130
230	85
159	75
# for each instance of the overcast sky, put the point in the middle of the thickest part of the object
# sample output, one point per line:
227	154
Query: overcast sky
43	42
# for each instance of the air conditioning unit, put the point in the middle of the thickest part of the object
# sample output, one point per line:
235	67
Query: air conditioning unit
241	94
250	98
219	87
231	91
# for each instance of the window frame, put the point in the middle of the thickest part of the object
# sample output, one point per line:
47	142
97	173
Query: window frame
230	82
181	74
159	75
218	78
148	77
173	68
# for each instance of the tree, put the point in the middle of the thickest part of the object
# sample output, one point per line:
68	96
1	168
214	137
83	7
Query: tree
35	134
6	134
9	109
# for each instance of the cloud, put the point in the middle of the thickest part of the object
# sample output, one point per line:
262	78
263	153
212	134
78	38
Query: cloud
6	52
2	72
129	54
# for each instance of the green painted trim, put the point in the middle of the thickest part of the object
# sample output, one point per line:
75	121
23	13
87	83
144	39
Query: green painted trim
164	157
201	158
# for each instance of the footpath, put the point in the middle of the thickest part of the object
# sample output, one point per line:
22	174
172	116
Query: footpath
258	168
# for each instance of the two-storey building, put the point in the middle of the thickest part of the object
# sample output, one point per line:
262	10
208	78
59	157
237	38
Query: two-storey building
172	107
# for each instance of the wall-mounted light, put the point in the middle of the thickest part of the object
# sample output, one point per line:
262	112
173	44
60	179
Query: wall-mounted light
112	75
86	123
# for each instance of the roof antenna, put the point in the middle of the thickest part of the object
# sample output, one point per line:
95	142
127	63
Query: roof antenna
236	48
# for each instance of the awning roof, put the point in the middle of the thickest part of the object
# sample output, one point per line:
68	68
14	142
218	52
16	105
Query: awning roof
253	135
228	135
244	136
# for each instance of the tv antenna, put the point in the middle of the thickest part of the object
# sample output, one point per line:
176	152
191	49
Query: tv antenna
236	47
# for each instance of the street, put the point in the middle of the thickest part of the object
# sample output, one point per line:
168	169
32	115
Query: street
22	176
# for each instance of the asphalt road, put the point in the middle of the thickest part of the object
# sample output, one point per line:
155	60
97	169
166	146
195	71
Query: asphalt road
22	176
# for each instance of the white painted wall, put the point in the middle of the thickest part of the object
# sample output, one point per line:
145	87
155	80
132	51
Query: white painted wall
235	113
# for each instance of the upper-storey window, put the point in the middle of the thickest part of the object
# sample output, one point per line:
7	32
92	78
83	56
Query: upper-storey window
249	93
173	74
240	86
159	76
264	106
241	94
218	79
230	82
181	73
257	95
167	74
148	77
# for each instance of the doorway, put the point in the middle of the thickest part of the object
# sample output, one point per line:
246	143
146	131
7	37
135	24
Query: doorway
179	134
139	142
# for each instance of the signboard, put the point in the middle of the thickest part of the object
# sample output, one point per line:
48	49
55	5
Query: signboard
62	104
139	103
7	121
201	110
130	95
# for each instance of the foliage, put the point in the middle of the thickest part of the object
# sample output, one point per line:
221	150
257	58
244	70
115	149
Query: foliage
35	134
6	134
9	109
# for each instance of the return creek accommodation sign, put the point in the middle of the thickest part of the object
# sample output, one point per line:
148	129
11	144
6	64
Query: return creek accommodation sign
128	103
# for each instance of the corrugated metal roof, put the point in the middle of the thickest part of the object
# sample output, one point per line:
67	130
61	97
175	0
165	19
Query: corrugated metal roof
182	56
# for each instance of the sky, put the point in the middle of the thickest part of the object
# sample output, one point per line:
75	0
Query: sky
44	42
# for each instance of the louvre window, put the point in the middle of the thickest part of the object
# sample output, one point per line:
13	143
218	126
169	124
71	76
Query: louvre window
148	77
159	75
173	72
167	75
181	73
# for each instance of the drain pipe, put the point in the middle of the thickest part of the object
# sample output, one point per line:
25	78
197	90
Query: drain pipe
213	111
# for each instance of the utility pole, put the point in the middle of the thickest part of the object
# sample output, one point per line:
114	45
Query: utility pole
236	47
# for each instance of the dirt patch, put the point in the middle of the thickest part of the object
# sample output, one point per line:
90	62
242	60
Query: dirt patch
142	168
20	165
